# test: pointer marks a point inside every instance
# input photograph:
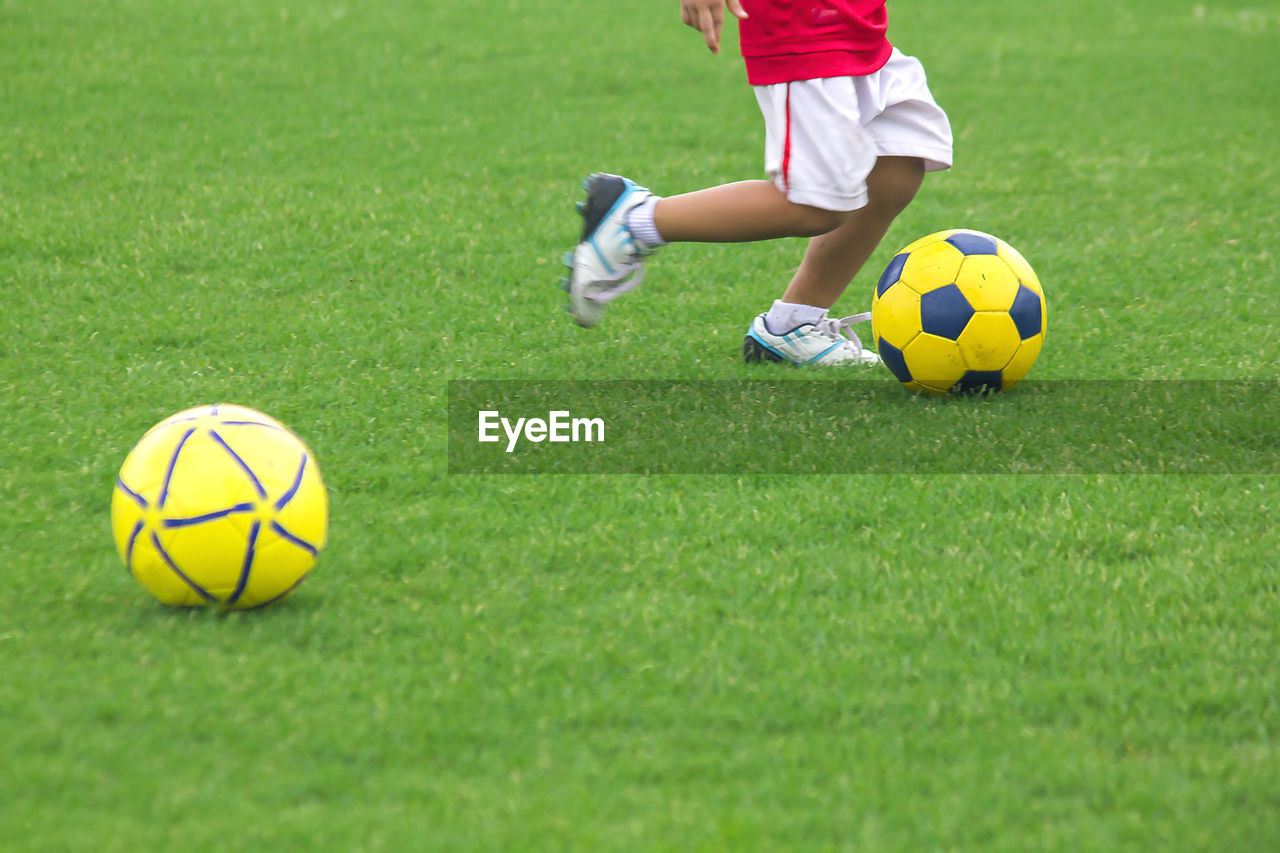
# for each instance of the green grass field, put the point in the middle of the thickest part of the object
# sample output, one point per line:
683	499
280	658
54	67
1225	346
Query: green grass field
329	211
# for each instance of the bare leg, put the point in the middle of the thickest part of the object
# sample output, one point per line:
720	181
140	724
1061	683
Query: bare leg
833	259
739	213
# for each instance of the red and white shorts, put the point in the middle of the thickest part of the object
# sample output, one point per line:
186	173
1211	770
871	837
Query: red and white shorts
822	137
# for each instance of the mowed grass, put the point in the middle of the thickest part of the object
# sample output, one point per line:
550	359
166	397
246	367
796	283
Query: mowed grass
328	211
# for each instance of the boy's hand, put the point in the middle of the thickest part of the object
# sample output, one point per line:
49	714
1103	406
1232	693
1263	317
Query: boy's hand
707	17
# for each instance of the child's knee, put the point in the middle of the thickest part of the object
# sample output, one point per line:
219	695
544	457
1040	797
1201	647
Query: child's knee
815	221
901	195
894	182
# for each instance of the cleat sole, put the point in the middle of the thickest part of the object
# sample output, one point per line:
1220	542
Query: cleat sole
753	352
603	191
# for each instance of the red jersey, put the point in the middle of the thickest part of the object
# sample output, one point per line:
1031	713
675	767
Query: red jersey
787	40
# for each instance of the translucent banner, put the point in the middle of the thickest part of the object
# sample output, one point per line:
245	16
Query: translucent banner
861	427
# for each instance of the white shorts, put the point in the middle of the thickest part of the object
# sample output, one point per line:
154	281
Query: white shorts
822	137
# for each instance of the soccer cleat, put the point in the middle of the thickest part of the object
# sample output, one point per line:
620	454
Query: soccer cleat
607	261
813	343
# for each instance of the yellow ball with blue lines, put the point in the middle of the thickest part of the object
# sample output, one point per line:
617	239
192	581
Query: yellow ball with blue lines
958	311
220	506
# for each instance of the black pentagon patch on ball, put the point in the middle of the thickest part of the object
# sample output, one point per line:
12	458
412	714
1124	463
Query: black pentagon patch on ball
1027	312
894	360
891	274
978	382
945	312
973	244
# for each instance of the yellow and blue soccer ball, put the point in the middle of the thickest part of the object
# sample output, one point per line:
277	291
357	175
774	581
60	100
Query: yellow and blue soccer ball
958	311
219	506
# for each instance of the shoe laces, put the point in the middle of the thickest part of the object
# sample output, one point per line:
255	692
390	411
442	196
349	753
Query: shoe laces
832	328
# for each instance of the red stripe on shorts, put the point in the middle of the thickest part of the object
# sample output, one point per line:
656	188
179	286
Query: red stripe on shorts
786	146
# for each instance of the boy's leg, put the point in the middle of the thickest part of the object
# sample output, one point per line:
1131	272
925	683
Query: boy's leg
796	329
834	258
741	212
623	223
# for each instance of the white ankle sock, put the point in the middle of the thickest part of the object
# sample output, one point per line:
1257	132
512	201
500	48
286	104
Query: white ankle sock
784	317
640	224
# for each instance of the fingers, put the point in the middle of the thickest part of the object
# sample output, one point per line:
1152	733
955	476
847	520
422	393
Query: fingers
710	21
707	17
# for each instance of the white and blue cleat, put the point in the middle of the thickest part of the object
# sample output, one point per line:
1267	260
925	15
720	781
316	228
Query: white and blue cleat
608	261
820	343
